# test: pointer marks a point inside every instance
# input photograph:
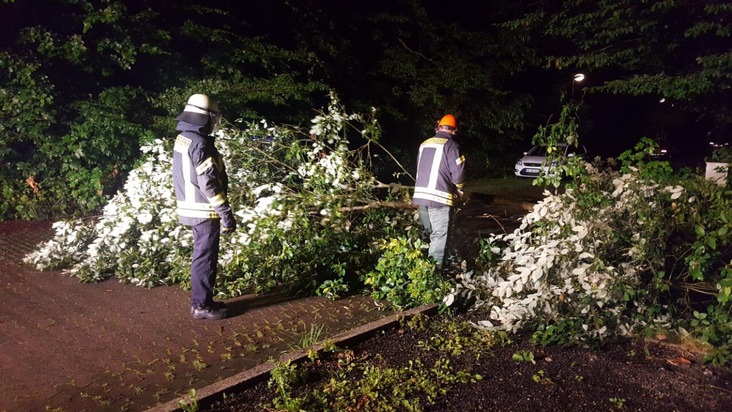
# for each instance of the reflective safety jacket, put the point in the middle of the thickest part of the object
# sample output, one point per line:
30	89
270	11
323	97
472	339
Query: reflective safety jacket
200	179
440	169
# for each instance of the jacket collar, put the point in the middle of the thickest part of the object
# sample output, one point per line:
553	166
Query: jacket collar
444	135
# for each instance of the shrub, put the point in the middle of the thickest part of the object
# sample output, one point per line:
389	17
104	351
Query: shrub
404	276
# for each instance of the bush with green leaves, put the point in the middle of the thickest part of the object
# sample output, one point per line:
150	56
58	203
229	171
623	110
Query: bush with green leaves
308	209
619	253
404	276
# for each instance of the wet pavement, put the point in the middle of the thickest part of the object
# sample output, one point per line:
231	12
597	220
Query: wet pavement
72	346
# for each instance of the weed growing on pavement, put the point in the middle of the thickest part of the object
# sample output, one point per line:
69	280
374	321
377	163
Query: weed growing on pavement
199	364
191	405
312	336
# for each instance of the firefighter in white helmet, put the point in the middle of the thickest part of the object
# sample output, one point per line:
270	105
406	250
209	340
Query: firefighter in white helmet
200	189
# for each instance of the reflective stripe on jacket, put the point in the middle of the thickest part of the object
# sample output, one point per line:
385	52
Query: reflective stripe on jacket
440	169
200	179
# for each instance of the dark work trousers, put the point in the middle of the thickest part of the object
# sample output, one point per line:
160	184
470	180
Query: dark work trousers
204	262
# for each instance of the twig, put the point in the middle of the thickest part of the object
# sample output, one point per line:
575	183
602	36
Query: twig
374	205
497	221
703	288
397	186
412	51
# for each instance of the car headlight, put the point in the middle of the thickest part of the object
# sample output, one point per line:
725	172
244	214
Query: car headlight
519	163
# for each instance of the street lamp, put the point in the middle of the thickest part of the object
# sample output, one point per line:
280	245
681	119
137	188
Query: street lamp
578	77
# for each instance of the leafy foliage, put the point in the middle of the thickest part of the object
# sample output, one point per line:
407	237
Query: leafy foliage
619	253
675	49
420	63
84	89
553	137
74	70
404	276
85	84
296	195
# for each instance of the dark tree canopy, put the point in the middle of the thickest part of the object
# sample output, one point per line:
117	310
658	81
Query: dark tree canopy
675	52
83	82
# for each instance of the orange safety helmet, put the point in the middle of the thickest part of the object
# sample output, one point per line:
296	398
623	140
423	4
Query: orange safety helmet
447	120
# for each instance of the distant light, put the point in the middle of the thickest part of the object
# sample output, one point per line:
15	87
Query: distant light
579	77
661	100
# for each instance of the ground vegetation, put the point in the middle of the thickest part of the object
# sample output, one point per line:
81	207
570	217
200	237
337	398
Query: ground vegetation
445	364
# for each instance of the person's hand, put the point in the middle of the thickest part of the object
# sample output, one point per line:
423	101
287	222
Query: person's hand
228	225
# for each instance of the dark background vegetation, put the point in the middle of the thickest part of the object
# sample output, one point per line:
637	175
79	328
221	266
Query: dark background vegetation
83	83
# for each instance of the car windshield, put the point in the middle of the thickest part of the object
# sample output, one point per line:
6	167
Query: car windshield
541	150
571	150
537	151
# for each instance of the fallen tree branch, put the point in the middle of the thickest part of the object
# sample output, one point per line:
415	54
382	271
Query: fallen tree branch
379	204
392	186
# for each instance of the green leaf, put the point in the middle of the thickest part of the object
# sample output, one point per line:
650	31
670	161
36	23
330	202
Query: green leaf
723	230
699	230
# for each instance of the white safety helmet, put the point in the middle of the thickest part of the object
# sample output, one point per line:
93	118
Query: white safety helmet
200	110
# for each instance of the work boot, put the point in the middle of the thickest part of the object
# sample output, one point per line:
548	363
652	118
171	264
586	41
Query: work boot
212	311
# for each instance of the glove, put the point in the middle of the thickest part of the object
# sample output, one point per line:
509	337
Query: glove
460	195
228	224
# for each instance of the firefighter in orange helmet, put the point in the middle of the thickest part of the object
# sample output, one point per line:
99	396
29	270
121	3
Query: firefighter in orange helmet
439	183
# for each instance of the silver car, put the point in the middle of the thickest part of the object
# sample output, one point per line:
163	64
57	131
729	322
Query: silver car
534	160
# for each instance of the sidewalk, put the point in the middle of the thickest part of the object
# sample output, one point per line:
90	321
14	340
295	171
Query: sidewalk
70	346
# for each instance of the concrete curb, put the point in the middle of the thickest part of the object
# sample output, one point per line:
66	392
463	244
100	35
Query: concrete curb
206	396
